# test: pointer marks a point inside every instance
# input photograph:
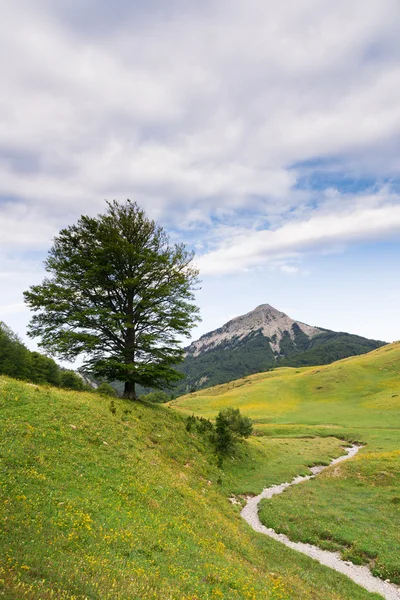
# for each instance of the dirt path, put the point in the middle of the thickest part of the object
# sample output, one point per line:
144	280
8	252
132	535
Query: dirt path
360	574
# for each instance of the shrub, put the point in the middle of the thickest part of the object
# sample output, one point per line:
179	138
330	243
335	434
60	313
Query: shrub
203	425
224	438
158	396
105	389
71	381
230	425
190	422
239	425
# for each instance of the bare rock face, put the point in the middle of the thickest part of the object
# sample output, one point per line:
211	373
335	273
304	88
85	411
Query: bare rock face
266	319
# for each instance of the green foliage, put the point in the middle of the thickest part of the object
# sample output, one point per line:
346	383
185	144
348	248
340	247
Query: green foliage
203	425
301	340
158	396
105	389
328	347
199	424
230	425
190	422
15	358
287	345
224	437
120	293
240	425
19	362
45	370
71	381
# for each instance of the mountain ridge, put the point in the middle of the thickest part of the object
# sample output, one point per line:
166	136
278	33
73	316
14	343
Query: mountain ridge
260	340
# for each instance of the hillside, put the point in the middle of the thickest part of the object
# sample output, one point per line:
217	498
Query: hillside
260	340
358	399
97	505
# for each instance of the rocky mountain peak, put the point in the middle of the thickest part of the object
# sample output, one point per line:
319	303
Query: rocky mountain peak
266	308
265	319
263	339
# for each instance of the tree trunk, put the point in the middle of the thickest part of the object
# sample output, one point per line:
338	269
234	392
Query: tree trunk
129	391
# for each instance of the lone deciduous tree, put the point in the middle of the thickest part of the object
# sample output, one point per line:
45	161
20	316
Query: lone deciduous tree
120	294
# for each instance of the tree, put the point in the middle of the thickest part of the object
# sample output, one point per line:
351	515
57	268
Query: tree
15	358
19	362
120	294
44	369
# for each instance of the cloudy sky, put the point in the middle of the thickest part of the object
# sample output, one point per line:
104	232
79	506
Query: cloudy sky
264	134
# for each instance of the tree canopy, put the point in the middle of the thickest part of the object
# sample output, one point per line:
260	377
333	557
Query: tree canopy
119	294
19	362
15	358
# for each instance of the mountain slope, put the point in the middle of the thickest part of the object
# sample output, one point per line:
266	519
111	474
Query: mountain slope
260	340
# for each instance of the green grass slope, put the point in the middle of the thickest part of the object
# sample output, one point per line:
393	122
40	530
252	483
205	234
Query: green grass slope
96	505
356	391
354	508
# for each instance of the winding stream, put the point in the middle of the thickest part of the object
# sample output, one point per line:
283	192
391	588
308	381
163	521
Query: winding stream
359	574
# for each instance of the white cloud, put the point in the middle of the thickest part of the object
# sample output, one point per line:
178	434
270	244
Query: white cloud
200	110
289	269
318	232
12	309
25	227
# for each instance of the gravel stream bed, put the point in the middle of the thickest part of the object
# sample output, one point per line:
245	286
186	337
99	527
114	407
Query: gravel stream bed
359	574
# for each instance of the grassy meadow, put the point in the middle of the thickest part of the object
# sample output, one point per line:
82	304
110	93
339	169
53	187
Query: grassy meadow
97	505
354	507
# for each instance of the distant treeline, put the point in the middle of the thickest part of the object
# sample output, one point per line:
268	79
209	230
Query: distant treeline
20	363
328	347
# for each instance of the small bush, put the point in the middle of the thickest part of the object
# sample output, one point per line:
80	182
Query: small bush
224	438
158	397
71	381
203	425
190	422
105	389
199	423
230	425
239	425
